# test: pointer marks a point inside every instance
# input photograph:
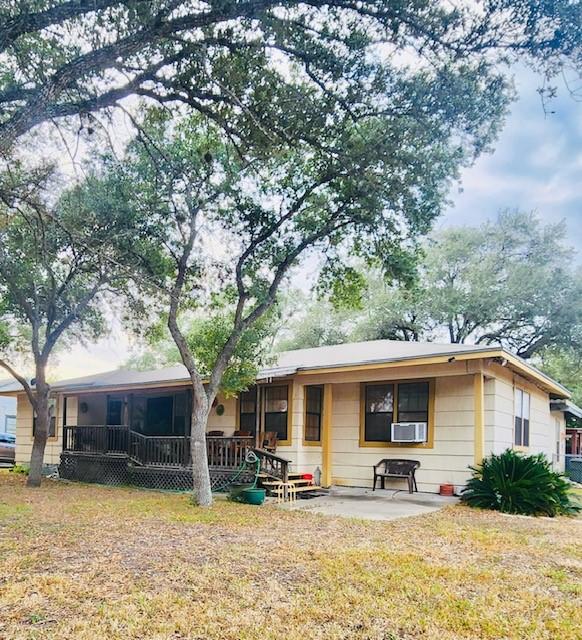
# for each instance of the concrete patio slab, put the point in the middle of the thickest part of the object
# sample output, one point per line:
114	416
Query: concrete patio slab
368	505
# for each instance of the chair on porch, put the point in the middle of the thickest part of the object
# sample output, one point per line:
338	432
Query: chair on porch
239	447
268	441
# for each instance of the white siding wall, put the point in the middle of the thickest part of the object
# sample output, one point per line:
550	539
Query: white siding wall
24	418
227	421
500	425
446	462
542	433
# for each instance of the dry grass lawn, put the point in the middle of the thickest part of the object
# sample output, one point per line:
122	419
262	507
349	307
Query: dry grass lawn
87	562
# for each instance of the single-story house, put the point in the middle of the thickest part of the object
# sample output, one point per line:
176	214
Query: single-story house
336	410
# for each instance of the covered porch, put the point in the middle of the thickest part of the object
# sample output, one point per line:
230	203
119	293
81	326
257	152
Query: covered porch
224	452
143	437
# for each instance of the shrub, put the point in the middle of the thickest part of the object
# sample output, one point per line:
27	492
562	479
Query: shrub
20	468
514	483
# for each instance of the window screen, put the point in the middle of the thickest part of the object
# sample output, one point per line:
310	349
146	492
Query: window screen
276	408
379	412
248	410
313	411
413	402
114	411
159	413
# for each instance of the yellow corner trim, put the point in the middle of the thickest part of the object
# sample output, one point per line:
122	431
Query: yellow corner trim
479	402
326	448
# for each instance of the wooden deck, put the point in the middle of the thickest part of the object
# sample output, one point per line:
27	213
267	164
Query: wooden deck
157	451
117	455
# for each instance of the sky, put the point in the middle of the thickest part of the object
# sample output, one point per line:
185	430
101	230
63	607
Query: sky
536	165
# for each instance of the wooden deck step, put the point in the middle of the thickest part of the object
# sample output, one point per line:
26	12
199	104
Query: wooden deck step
276	483
309	487
292	476
306	487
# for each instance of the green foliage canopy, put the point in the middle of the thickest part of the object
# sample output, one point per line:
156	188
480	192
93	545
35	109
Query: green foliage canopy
238	62
55	265
508	282
237	220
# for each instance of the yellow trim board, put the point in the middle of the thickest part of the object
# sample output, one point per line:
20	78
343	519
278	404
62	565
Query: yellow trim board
544	381
479	401
326	436
405	362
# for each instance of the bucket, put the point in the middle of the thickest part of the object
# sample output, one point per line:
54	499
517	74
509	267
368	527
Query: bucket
237	489
253	496
447	490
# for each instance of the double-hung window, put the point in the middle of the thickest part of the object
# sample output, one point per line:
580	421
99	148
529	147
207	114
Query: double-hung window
276	411
387	403
313	412
248	410
379	412
522	417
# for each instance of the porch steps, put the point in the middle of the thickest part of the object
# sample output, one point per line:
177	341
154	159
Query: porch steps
298	488
292	476
301	485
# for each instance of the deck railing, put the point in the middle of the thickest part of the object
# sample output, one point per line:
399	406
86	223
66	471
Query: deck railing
163	451
273	465
111	439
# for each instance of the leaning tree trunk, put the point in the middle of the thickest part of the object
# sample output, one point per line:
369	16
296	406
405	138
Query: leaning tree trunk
40	435
200	472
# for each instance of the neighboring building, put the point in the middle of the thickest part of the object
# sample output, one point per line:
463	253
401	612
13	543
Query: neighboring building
573	416
335	408
7	410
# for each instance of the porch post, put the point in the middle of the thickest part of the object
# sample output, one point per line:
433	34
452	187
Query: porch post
258	409
326	436
479	401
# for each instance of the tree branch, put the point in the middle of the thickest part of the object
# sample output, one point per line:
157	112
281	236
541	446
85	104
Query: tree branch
22	380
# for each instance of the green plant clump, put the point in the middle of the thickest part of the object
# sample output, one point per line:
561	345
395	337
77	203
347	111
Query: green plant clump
20	468
515	483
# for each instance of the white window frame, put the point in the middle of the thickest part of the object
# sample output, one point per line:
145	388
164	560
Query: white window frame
521	408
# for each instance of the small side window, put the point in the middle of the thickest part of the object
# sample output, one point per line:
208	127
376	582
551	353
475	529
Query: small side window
522	418
313	411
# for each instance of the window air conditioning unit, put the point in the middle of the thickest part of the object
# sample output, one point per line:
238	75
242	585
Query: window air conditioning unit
409	432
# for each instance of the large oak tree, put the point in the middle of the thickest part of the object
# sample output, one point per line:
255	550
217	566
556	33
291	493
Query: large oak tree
63	58
230	221
508	281
56	266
